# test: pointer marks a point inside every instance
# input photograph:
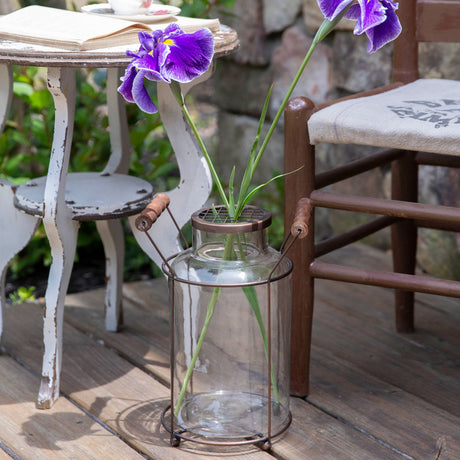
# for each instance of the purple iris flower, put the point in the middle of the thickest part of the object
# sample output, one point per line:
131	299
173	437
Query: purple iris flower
165	56
376	18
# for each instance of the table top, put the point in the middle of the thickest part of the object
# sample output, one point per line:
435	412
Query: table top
11	52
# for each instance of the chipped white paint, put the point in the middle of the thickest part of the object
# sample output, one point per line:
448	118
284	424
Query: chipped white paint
68	198
118	122
61	231
113	239
6	93
90	196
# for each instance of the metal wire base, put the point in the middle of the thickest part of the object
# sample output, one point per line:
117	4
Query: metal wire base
261	440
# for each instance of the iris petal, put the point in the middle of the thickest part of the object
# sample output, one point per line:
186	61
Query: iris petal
190	56
126	87
376	18
141	96
164	56
385	32
332	8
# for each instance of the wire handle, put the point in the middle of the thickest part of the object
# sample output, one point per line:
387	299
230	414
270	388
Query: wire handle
152	212
300	225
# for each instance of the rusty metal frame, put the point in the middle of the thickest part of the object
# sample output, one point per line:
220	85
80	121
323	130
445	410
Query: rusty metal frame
217	221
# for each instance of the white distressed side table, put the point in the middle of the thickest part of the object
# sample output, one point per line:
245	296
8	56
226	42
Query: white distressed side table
63	199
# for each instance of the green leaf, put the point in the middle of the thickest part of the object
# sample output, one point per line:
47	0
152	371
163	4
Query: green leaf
41	99
252	160
231	198
259	129
253	192
251	296
22	89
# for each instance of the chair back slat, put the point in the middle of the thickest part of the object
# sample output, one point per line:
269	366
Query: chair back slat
405	54
422	21
438	21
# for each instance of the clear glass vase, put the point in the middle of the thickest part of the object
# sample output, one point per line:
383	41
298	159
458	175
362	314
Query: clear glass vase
231	310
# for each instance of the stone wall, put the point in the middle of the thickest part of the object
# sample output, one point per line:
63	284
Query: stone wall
274	40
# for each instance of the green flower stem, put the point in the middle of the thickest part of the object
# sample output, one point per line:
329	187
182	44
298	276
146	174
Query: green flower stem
251	295
176	89
191	367
325	28
209	314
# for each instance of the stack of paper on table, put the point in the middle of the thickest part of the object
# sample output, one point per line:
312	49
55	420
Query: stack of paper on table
80	31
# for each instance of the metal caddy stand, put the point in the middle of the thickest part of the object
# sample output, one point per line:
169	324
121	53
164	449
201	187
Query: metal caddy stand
299	229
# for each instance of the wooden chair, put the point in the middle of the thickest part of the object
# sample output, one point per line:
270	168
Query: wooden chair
396	117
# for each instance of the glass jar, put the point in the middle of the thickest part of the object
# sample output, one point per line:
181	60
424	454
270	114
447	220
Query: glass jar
231	297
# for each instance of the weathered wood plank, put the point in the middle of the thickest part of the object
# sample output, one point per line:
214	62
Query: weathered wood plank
126	399
316	435
405	360
130	402
297	438
397	418
354	374
145	334
63	432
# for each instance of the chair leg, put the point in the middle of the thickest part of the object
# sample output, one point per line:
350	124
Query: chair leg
112	236
298	153
404	238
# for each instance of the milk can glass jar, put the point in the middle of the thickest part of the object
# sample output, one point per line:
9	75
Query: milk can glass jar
231	295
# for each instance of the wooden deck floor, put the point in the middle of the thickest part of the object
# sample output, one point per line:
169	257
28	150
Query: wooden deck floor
374	395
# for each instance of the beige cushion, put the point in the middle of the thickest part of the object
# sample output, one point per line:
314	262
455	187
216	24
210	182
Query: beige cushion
421	116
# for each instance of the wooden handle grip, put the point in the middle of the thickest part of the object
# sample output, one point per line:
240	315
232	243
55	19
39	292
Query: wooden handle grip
302	218
152	212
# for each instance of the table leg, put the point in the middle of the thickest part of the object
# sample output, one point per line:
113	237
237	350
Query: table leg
118	122
111	232
61	231
6	93
195	179
112	236
16	227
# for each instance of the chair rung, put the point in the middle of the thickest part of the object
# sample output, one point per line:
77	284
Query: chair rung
358	233
404	209
356	167
437	159
385	279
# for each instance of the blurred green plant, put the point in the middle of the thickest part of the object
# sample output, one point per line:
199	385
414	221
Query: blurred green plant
202	8
22	294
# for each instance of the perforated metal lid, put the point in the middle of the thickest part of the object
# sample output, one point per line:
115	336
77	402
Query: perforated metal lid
217	220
